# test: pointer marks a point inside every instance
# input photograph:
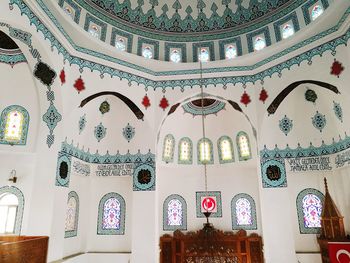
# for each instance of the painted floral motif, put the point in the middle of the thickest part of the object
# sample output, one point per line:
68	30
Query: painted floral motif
263	95
63	76
111	214
146	102
79	84
100	132
338	111
312	210
310	95
174	213
285	125
319	121
243	212
337	68
164	103
128	132
104	107
245	99
82	123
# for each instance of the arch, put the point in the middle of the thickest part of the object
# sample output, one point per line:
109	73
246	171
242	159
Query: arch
225	149
246	202
22	123
119	228
185	141
303	208
179	204
201	150
72	215
20	208
168	148
243	146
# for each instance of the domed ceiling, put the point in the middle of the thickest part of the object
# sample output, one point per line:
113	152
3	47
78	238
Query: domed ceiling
186	16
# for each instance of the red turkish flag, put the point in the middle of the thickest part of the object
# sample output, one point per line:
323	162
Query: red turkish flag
339	252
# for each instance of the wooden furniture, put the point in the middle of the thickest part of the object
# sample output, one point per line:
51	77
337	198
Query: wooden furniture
211	245
23	249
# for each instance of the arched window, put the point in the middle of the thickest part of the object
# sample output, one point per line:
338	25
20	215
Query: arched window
259	43
225	149
174	213
120	43
203	54
230	52
72	215
111	215
175	56
243	212
14	125
309	207
316	11
287	31
243	146
185	151
11	210
168	148
147	52
94	31
205	151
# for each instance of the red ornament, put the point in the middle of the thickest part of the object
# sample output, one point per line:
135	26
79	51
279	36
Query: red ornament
63	77
336	68
164	103
263	95
146	102
79	84
245	99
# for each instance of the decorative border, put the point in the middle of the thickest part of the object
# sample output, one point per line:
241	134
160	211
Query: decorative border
302	228
225	137
171	158
12	57
209	45
77	9
129	38
20	209
189	141
211	161
166	227
236	41
63	157
277	25
89	18
73	233
121	230
217	106
25	126
181	46
240	157
217	194
151	186
306	9
265	31
154	43
235	226
268	183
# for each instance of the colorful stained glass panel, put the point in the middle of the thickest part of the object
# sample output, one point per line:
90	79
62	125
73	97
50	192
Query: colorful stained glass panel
111	214
175	213
243	212
13	128
312	209
71	214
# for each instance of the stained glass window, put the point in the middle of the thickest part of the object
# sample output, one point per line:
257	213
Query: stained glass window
111	214
316	11
259	43
72	213
8	212
203	54
225	148
168	148
287	31
14	126
243	212
243	146
174	213
205	151
120	43
175	56
185	151
94	31
230	52
147	52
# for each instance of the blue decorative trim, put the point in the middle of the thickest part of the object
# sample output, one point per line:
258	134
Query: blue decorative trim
169	159
211	161
235	41
180	46
196	46
100	132
293	18
235	226
273	173
51	118
319	121
139	183
64	169
222	161
183	226
299	204
240	157
310	3
216	194
129	38
103	26
12	57
25	125
121	230
338	111
20	209
190	160
21	35
82	123
73	233
153	43
77	9
128	132
263	31
286	125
